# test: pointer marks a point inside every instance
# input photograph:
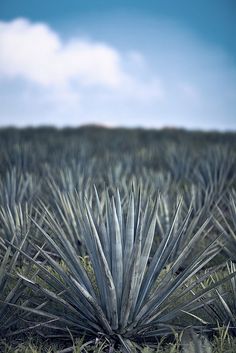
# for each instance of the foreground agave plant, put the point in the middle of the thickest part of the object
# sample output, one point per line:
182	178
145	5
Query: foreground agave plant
127	296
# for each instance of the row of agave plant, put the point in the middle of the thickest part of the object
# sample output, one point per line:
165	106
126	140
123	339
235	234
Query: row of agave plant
147	252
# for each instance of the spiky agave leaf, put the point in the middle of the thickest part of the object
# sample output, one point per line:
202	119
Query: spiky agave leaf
11	289
63	219
225	221
15	222
69	179
133	299
216	173
17	187
188	219
224	309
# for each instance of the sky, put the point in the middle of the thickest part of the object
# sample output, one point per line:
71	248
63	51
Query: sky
132	63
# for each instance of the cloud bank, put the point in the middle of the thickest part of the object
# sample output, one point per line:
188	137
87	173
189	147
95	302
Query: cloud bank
36	53
47	80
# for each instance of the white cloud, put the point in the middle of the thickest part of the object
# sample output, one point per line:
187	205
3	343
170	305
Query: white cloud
35	52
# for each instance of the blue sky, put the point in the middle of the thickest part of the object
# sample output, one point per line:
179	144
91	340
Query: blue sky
131	63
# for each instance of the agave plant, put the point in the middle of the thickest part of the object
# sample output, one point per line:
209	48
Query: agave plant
216	173
11	291
180	162
17	187
63	219
70	178
225	221
191	216
126	297
223	310
15	222
227	312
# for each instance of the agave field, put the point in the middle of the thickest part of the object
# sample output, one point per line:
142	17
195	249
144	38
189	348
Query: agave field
117	241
